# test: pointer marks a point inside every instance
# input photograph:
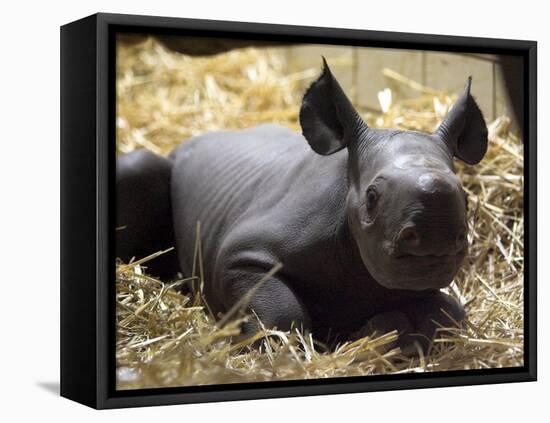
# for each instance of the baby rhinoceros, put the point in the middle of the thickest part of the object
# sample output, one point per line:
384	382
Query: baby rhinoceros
368	224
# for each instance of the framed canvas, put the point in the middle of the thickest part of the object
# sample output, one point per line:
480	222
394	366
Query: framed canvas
257	211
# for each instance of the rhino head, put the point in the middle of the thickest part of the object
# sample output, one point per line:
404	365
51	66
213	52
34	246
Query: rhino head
406	208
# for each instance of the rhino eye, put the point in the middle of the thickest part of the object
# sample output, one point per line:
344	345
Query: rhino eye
372	198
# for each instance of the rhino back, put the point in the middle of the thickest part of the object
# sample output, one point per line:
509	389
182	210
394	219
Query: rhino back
225	179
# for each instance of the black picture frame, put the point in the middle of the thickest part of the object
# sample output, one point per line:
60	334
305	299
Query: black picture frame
87	231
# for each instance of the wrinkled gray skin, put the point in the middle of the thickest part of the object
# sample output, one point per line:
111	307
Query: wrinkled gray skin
368	223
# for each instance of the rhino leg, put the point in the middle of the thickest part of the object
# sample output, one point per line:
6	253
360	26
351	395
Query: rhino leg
430	314
274	302
144	212
418	322
383	323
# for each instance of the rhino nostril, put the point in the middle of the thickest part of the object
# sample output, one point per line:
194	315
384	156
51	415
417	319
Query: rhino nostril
409	237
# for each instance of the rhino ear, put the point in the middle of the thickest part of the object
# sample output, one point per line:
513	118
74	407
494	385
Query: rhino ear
464	129
327	116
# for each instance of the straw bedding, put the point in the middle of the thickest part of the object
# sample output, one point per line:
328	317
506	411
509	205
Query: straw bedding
166	338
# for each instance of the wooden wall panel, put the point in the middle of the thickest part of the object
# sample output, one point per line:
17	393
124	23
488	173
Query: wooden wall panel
449	71
370	80
359	71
